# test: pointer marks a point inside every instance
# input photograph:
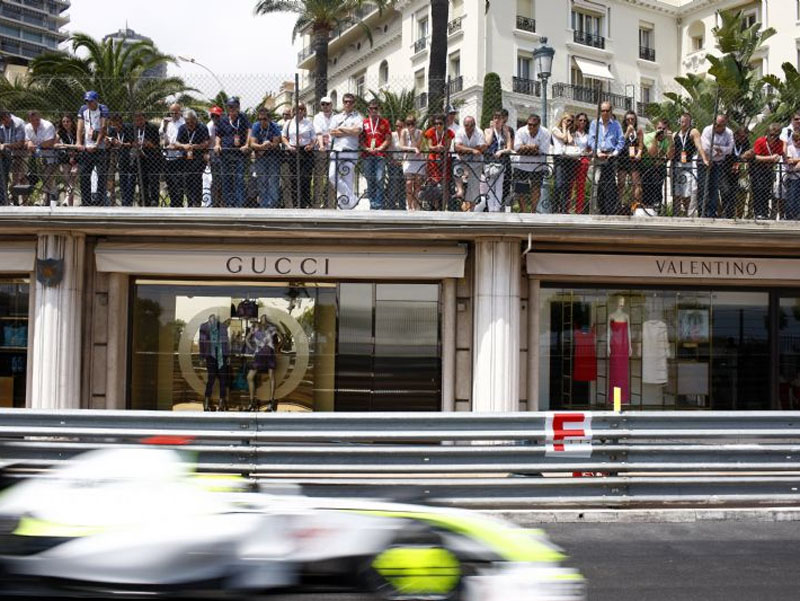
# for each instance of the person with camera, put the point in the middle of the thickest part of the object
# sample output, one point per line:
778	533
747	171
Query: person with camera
92	127
658	149
40	136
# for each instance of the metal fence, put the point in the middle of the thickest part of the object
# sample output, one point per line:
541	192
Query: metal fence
524	460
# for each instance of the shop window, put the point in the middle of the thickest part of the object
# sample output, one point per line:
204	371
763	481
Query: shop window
13	341
662	349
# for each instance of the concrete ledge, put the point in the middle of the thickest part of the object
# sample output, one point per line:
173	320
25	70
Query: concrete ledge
532	518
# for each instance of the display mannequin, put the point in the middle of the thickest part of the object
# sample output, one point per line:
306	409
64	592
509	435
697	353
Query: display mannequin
655	344
215	348
261	341
619	351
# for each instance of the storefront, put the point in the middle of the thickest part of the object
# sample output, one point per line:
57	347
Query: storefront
16	265
341	328
669	332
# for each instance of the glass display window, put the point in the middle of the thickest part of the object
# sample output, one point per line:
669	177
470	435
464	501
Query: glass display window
14	329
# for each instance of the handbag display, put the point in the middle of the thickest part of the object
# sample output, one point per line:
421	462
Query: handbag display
247	309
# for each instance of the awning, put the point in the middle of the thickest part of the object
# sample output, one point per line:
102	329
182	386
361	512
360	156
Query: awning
315	262
17	257
593	69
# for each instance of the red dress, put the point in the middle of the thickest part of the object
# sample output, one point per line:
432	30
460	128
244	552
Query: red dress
438	162
585	369
618	360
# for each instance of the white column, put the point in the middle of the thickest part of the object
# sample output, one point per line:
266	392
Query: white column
56	373
533	344
495	367
117	338
449	345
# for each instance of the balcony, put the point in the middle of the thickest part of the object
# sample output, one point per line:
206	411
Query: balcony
589	39
455	85
304	54
454	26
529	87
591	96
526	24
648	54
421	101
420	45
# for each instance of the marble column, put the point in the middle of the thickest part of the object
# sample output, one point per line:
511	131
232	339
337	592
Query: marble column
116	364
58	317
496	349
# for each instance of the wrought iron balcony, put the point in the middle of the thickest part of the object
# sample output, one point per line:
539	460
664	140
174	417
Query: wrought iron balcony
454	25
456	84
526	24
420	45
589	39
421	101
648	54
304	54
531	87
591	95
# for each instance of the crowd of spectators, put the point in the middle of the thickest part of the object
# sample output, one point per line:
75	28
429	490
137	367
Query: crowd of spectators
606	165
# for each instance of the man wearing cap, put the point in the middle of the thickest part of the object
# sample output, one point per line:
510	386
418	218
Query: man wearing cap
215	114
232	144
345	130
92	126
323	197
12	150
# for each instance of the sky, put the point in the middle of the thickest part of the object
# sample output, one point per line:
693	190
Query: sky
248	54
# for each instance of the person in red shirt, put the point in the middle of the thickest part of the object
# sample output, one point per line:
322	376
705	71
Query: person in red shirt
376	136
768	152
439	140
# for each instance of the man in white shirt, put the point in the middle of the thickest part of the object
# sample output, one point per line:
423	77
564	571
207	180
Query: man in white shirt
717	143
91	133
531	144
470	145
173	170
323	197
789	130
40	137
299	141
345	130
12	152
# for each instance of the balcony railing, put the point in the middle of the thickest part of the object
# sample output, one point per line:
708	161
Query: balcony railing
420	45
526	24
589	39
304	54
648	54
455	85
531	87
421	101
454	25
591	95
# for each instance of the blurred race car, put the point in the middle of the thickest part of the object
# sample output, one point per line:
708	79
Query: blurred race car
140	523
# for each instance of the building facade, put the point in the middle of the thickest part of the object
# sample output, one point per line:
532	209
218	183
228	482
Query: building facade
107	308
128	36
28	28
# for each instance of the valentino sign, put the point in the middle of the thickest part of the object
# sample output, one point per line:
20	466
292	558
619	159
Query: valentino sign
270	265
655	268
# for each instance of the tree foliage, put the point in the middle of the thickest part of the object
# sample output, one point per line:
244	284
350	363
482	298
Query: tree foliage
492	98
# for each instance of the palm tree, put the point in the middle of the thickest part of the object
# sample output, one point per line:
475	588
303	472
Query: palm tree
437	62
323	17
58	80
394	105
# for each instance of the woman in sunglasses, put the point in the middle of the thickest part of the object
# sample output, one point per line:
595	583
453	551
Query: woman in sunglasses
414	163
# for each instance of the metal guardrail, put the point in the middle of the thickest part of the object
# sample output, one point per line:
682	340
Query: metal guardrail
471	459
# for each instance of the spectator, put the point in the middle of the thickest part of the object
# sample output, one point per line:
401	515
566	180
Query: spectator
394	168
471	145
346	130
686	149
40	136
232	144
299	139
768	152
567	160
92	126
658	149
413	163
717	143
735	183
146	159
68	156
581	137
500	143
630	157
505	159
120	141
376	137
794	126
214	160
606	141
286	190
173	166
192	140
439	164
792	208
532	143
459	172
12	151
265	141
323	197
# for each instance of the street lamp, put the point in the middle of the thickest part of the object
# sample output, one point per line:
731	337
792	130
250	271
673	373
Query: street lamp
543	59
188	59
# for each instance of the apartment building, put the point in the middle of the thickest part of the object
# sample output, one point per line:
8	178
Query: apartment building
28	28
628	51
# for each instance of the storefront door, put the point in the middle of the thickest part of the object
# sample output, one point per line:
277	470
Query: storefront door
788	352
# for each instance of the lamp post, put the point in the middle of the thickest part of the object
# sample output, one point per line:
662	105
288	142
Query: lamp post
188	59
543	59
